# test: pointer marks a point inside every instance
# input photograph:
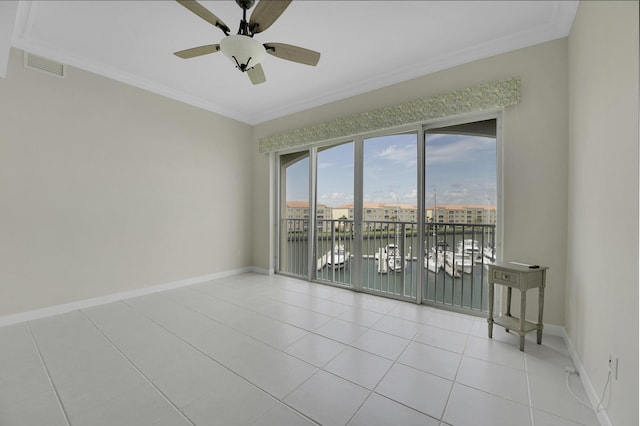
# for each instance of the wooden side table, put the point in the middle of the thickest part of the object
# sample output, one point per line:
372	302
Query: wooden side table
522	278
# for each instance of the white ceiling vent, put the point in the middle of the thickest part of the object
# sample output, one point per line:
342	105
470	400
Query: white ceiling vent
43	64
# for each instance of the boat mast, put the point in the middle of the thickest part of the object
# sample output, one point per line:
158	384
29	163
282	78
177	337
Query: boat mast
435	203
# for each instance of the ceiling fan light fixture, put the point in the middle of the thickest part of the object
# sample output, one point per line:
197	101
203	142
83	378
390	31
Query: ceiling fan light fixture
243	51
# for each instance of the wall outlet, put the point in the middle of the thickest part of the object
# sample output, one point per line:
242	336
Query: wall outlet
613	366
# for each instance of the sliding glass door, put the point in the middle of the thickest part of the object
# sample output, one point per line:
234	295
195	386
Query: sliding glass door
410	215
293	256
460	221
334	246
389	215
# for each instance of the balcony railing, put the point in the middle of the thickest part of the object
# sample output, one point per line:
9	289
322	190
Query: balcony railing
452	265
456	262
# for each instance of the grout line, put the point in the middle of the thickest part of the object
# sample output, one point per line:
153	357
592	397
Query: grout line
278	349
393	364
44	365
216	320
256	421
184	305
347	345
408	407
104	336
206	315
355	413
200	350
395	361
526	375
278	400
372	391
208	295
455	376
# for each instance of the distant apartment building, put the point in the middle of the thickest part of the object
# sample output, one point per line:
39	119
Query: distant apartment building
300	210
461	213
384	212
382	215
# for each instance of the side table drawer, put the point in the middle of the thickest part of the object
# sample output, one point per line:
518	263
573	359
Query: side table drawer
505	276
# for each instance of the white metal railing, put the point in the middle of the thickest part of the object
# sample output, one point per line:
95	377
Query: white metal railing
451	267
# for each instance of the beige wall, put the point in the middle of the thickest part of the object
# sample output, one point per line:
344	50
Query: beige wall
107	188
602	263
535	155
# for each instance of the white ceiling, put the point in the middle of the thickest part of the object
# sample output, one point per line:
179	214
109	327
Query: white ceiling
365	45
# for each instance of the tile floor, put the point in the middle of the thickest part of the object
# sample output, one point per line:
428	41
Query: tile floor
270	350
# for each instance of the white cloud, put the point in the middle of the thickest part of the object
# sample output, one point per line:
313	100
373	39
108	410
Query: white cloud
456	193
335	199
325	165
405	155
460	150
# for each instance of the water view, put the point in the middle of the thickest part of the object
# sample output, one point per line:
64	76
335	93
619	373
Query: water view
448	265
454	265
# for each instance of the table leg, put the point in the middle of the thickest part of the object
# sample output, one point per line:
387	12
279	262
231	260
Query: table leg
523	313
540	308
490	319
508	305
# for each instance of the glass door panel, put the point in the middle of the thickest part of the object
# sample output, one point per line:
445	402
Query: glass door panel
389	215
460	217
334	246
294	214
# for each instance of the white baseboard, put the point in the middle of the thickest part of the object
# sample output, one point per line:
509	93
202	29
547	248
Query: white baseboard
594	398
87	303
554	330
262	271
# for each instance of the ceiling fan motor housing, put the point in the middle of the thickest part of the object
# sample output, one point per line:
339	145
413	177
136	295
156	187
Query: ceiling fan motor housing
244	51
245	4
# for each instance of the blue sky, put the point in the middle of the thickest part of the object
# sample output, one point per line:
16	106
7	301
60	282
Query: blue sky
462	169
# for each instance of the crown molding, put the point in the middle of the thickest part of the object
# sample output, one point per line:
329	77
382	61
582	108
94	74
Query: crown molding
556	25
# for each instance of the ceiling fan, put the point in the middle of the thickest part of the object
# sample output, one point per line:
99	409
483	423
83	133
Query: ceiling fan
246	52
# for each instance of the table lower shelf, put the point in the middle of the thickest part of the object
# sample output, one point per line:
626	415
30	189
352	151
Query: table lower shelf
513	323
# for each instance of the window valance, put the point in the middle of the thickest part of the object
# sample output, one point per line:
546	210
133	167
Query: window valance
485	97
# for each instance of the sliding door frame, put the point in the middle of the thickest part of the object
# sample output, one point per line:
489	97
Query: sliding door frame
358	141
492	115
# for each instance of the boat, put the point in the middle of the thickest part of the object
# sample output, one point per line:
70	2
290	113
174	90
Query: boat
337	258
388	259
435	261
472	248
489	254
451	271
460	261
442	245
469	246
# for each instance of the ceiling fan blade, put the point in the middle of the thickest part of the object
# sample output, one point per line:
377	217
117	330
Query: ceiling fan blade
202	12
198	51
256	74
293	53
265	13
